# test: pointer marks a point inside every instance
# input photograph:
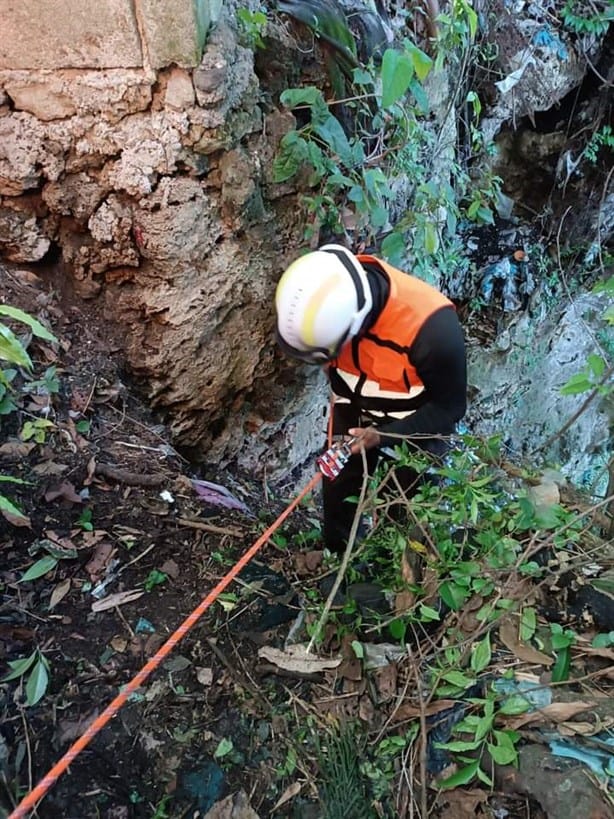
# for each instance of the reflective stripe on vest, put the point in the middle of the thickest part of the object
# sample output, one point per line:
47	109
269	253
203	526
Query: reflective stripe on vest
375	371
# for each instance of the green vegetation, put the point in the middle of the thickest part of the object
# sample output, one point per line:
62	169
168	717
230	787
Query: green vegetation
595	21
14	353
356	174
252	25
36	667
472	539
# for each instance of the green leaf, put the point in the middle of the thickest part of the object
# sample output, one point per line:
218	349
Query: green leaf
458	679
514	705
452	594
483	777
334	136
393	247
560	670
603	584
396	74
397	629
484	726
378	216
577	383
40	568
7	406
473	98
481	655
293	97
421	62
155	578
596	364
472	210
12	513
457	746
224	747
421	97
431	238
528	623
603	640
19	667
461	777
12	350
485	215
293	153
358	649
362	77
356	194
427	614
228	600
472	17
37	683
19	315
502	754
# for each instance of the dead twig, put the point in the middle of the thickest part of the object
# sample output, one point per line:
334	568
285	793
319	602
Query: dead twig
114	473
28	749
423	736
209	527
345	561
234	673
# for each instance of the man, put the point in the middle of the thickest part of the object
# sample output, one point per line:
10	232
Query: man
395	355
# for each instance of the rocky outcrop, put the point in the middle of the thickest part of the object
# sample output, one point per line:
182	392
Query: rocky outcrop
155	186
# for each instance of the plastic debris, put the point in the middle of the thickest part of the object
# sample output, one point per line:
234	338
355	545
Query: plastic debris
111	573
513	279
204	785
143	626
166	496
600	761
536	694
443	724
218	495
514	78
544	38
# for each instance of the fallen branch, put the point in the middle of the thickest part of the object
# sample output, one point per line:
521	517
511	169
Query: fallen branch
113	473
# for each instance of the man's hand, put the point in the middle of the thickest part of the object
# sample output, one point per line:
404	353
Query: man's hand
368	438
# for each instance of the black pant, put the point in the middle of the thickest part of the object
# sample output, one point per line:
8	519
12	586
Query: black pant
338	512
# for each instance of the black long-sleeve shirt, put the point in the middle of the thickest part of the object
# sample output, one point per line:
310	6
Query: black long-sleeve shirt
438	356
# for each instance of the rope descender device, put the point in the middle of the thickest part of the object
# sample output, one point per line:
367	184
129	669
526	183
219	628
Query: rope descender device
331	462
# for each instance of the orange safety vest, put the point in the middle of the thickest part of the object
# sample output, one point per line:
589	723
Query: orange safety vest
374	369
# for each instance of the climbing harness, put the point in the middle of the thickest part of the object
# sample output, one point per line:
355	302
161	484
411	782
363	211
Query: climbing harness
331	462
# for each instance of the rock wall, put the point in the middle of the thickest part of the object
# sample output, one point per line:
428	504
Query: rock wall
145	161
516	382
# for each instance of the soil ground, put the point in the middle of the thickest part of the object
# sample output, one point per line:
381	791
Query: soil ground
116	502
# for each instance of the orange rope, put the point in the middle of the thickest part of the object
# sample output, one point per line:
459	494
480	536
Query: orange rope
30	801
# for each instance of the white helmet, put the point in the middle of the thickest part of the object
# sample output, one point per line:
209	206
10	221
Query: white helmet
322	301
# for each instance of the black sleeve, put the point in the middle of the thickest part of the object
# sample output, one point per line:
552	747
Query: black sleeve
438	356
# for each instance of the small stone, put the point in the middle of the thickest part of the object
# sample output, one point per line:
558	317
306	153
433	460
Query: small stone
179	90
208	80
39	99
545	494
